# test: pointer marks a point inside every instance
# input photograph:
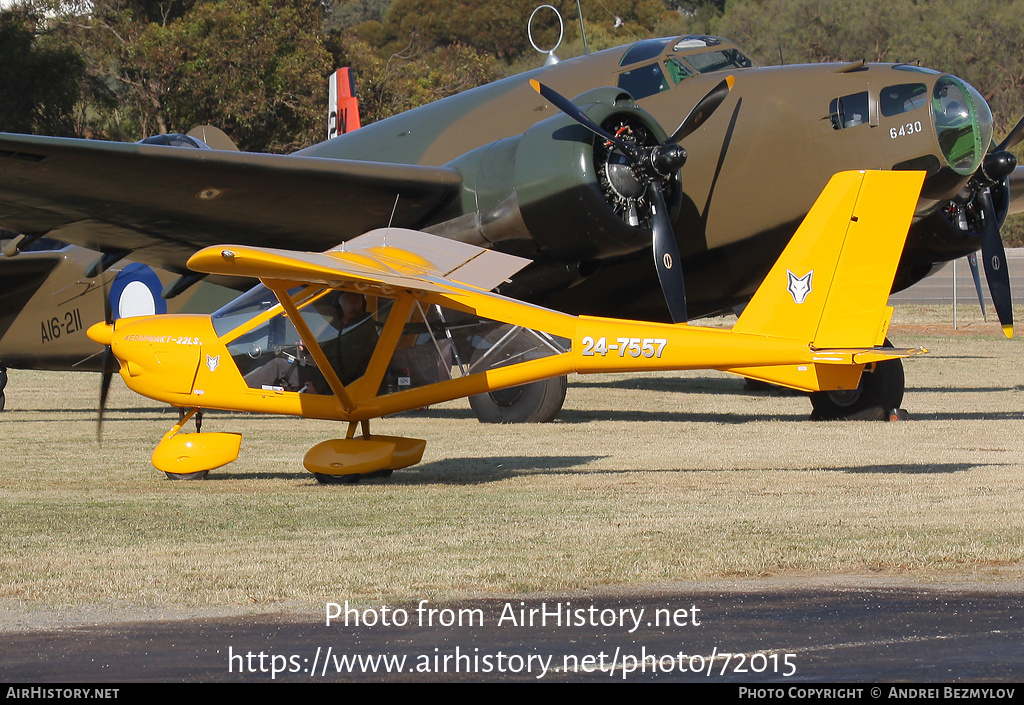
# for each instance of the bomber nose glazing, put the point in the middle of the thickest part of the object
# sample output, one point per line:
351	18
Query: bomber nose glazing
963	124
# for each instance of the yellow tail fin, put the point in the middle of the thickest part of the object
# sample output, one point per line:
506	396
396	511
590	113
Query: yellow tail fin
831	283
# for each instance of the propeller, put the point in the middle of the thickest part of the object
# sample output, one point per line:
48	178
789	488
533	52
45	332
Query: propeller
972	260
995	167
107	371
652	165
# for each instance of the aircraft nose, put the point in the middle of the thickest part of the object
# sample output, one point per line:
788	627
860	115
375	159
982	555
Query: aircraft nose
102	333
963	123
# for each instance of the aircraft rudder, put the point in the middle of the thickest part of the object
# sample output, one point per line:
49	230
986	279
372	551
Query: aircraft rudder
790	301
831	283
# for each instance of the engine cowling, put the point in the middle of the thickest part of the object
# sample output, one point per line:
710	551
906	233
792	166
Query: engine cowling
556	191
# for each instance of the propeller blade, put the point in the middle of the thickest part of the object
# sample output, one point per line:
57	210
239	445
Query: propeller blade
571	109
666	256
972	260
107	372
1015	136
104	391
702	110
994	257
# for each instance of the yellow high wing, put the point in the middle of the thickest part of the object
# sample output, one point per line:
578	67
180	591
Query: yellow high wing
817	319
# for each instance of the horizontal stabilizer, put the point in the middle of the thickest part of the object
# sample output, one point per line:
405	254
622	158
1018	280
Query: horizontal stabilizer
830	369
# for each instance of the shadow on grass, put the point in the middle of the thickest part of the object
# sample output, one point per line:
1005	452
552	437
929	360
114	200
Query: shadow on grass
580	416
960	390
967	416
478	471
912	468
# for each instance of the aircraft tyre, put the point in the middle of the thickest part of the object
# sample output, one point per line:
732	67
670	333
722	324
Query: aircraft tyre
537	402
879	391
3	386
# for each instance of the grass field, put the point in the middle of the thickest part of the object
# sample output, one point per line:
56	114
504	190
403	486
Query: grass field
642	480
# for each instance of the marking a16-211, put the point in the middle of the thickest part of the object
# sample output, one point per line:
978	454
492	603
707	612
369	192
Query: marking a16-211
66	324
635	347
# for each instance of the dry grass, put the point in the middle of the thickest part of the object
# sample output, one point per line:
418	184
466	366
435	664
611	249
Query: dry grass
643	479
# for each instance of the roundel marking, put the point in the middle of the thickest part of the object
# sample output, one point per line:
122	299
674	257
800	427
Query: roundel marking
135	291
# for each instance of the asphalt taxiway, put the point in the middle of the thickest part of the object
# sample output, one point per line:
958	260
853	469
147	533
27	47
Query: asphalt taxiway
860	634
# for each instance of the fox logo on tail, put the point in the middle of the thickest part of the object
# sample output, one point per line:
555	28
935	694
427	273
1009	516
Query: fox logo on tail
799	287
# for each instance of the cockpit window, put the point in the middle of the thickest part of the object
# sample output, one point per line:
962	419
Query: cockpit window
643	81
642	51
236	312
904	98
676	70
695	41
271	355
849	111
912	68
724	60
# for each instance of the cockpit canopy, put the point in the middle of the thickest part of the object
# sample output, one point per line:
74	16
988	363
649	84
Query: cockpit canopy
655	65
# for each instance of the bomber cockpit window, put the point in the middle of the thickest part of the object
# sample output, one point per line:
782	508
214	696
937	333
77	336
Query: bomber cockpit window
643	81
642	51
912	68
695	41
724	60
849	111
676	70
904	98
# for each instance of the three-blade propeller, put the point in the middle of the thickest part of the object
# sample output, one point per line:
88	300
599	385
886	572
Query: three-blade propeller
652	165
996	166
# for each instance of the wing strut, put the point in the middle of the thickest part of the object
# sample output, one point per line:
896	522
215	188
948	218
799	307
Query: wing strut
314	348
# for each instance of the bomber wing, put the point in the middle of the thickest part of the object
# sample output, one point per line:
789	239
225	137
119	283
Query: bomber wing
164	203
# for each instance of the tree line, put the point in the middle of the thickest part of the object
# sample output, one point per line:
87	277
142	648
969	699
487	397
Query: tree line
126	69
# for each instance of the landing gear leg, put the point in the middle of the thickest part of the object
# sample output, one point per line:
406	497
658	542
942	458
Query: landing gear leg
879	392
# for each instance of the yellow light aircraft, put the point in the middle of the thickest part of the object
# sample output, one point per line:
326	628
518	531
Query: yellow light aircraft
397	319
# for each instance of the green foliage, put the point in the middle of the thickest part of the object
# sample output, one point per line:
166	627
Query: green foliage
343	14
38	79
254	68
409	78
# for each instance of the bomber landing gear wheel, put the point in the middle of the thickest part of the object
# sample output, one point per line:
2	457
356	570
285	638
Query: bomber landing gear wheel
201	475
3	386
879	391
537	402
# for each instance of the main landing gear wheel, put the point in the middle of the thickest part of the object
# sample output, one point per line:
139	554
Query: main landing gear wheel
3	386
537	402
880	390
